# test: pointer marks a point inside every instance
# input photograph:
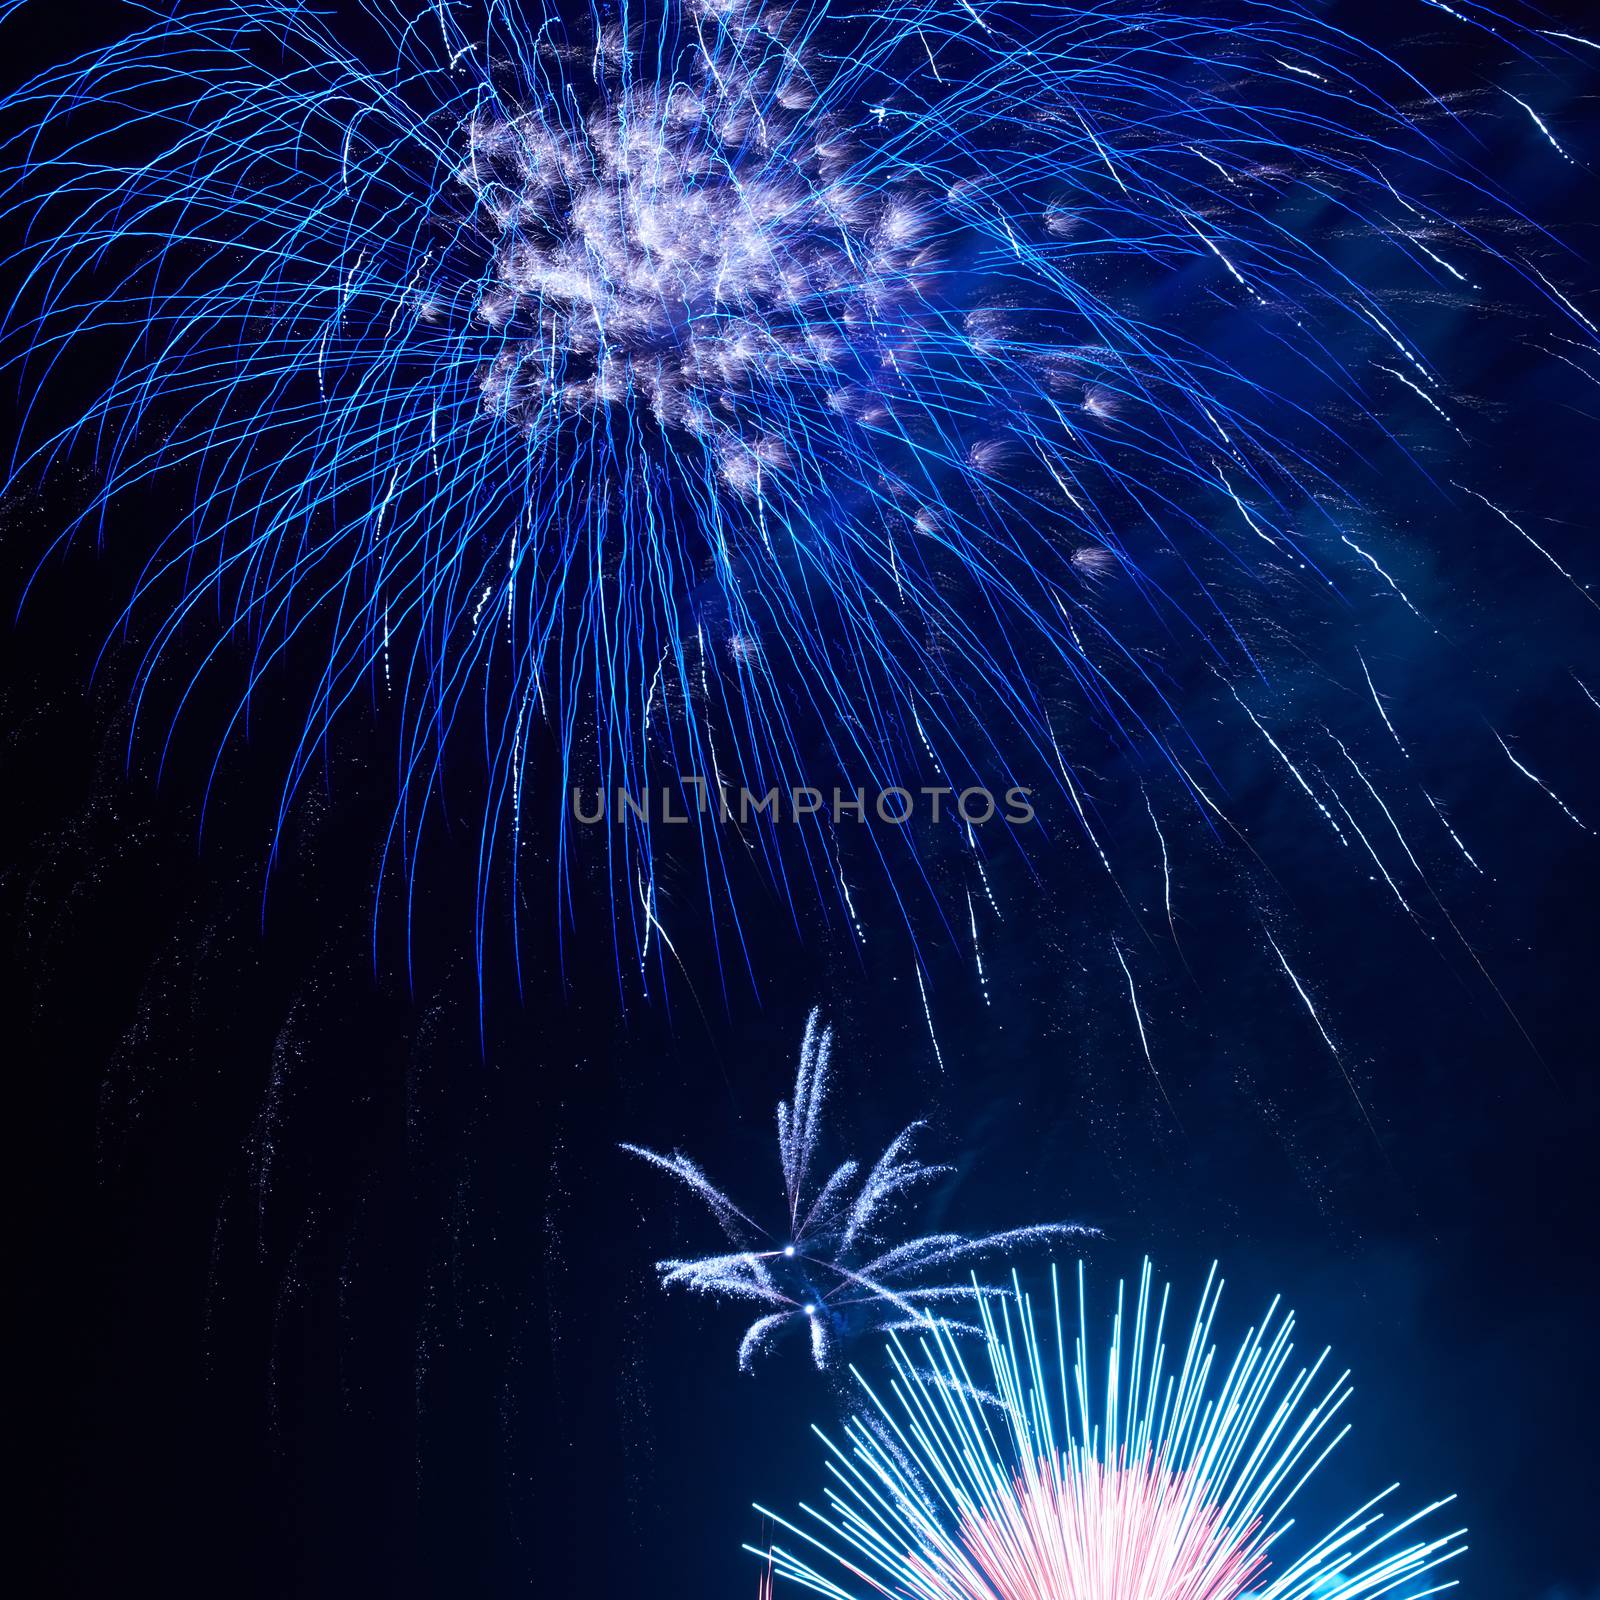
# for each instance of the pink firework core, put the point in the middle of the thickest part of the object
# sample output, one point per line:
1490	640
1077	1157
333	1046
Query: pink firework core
1097	1532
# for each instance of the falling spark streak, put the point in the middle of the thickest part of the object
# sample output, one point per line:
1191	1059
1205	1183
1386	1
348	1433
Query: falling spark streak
1454	837
1538	122
849	903
1512	523
1110	166
1077	806
1166	873
1144	1042
1211	161
1333	1050
1586	692
1238	277
1415	239
1567	361
1563	299
1399	344
832	1268
1377	860
1372	689
1418	390
1372	561
1570	38
1378	800
927	1012
1070	1473
977	953
1534	777
983	877
1443	909
1244	512
1294	771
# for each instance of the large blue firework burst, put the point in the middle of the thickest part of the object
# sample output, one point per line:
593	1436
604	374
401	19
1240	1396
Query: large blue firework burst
733	395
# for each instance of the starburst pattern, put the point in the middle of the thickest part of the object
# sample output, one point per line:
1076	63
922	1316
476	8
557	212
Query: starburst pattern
1132	1479
735	396
1128	1480
832	1267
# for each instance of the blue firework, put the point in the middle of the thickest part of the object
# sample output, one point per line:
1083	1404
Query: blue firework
727	395
1047	1469
836	1265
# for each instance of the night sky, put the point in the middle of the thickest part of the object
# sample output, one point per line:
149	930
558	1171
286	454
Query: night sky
334	1279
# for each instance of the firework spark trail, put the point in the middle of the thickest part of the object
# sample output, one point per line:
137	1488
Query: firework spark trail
833	1270
747	361
1565	303
1382	805
1377	860
1540	124
1455	838
1372	561
1293	771
1372	689
1327	1039
1523	533
1423	395
1114	1477
927	1014
977	953
1533	777
1166	879
983	876
1144	1042
1078	807
1442	908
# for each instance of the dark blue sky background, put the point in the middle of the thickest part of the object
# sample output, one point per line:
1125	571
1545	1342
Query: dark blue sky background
324	1293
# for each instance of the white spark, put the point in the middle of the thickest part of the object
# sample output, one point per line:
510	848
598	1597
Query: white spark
1539	123
1455	838
1333	1049
1535	778
829	1267
1372	689
927	1012
1294	771
1372	561
1513	523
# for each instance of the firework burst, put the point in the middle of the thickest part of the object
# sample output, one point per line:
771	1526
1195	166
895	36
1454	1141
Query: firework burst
731	396
1130	1478
831	1266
